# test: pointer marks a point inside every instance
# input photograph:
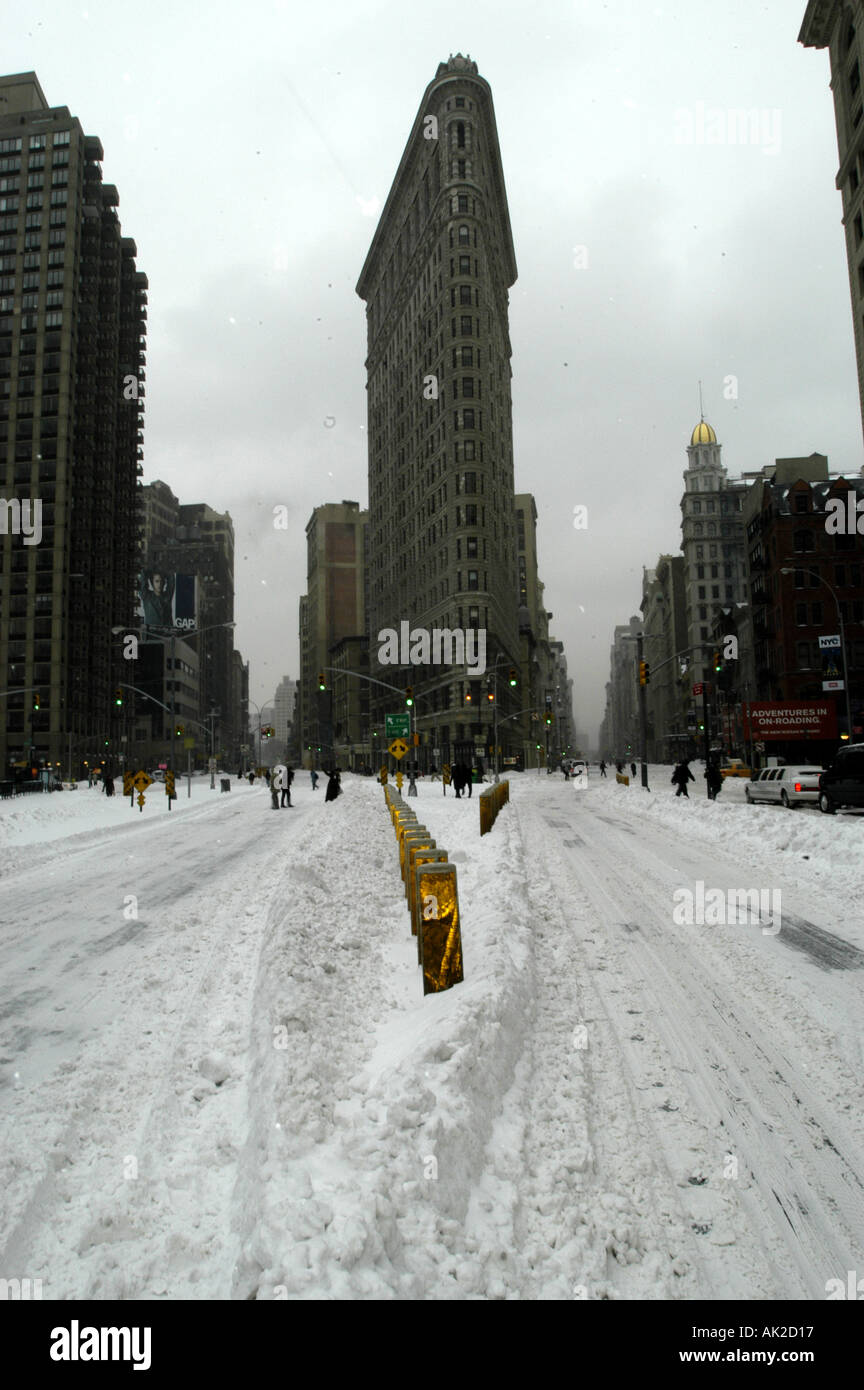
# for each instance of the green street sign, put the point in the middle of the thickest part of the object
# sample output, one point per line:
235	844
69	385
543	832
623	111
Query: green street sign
397	725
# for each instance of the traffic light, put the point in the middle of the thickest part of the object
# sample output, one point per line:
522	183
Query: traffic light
179	730
550	718
490	694
468	695
718	662
322	682
118	695
36	701
644	673
512	675
409	695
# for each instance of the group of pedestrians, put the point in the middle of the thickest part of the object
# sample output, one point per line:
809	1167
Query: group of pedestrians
682	775
280	778
460	778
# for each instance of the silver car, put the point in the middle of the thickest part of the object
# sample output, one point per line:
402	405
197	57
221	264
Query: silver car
790	786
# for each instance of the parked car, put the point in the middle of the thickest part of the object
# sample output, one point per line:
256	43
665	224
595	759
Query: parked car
734	768
842	782
157	774
790	786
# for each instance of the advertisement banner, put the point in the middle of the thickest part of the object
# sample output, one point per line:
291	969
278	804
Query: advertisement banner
167	602
776	719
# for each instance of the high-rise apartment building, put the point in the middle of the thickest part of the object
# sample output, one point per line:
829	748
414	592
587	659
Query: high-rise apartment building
713	543
200	544
441	552
333	608
72	334
838	25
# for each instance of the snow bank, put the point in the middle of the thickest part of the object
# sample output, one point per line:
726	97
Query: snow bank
371	1104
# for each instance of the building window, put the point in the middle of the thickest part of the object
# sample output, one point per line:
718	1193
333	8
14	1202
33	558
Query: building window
464	236
817	615
471	514
803	540
801	614
461	202
465	325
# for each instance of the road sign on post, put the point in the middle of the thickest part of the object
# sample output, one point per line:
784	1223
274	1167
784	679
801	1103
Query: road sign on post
397	725
398	748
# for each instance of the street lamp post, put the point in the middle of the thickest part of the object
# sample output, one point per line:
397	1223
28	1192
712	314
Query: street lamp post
789	569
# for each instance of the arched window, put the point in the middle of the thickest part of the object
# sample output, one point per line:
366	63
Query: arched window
464	236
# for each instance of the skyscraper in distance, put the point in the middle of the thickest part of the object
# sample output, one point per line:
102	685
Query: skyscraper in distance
441	550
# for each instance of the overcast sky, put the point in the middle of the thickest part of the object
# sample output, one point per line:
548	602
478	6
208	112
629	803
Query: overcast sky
253	146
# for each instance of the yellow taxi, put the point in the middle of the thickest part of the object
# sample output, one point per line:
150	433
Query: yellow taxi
735	768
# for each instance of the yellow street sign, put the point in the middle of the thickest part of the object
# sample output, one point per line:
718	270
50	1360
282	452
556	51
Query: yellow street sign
398	748
141	799
141	781
399	781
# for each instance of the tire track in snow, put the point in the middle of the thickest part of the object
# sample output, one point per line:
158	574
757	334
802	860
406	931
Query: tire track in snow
811	1197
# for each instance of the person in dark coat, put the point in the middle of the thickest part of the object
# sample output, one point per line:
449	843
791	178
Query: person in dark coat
333	787
287	779
714	779
108	784
251	778
602	769
313	776
681	776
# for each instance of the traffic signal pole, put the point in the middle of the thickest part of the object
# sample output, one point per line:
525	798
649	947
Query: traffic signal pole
643	716
707	733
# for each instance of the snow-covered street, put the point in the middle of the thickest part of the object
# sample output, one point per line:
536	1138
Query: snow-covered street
220	1078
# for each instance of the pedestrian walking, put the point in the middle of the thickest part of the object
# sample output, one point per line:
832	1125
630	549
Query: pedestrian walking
108	784
287	779
314	778
681	776
333	787
602	769
251	778
714	779
632	769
